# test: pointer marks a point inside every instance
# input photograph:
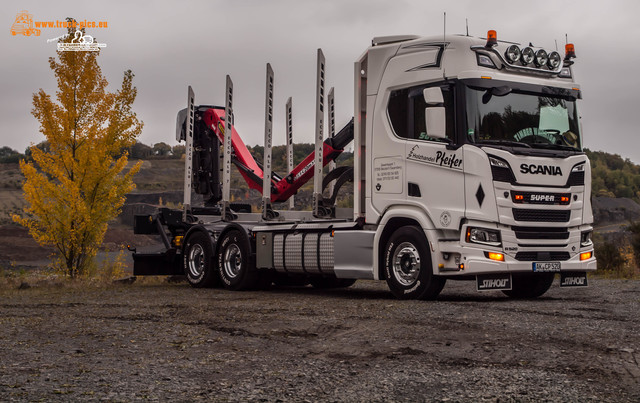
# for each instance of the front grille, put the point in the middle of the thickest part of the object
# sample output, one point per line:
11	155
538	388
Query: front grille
541	215
542	256
540	233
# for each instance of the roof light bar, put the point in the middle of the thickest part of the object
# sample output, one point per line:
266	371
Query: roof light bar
529	59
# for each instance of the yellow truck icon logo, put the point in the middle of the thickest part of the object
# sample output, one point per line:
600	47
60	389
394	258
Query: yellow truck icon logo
24	25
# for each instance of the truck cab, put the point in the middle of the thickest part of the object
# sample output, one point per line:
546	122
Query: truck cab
478	143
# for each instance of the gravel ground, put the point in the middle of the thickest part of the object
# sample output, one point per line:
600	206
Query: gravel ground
160	341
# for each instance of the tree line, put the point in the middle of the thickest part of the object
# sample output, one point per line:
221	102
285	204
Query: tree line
139	151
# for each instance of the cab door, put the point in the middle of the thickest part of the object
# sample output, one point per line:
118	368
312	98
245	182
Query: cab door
434	168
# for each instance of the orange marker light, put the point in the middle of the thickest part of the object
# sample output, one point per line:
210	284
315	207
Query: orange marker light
586	255
570	51
492	38
496	256
564	200
519	197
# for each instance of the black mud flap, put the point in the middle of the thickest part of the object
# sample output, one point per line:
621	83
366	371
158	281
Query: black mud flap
573	279
157	262
492	282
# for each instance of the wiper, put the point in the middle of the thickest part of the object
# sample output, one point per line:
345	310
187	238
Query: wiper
505	142
550	146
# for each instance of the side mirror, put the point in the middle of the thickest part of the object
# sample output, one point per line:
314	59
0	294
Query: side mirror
433	96
434	113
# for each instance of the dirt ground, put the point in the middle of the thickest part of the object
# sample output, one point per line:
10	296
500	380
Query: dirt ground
153	340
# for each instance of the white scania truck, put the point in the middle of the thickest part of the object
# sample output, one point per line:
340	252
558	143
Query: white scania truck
468	164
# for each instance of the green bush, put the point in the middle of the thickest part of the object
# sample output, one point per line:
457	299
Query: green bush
610	258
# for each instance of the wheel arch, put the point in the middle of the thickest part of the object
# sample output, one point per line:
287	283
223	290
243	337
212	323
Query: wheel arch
394	218
246	233
198	229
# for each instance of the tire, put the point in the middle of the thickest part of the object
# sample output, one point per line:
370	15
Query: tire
407	265
235	266
530	285
331	282
198	263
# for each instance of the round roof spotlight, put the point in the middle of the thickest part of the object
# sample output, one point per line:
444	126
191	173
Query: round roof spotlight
527	56
513	54
541	58
554	60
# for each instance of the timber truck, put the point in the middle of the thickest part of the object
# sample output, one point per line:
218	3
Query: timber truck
468	165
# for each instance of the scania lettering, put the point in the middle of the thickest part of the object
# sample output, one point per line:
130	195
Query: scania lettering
468	165
540	169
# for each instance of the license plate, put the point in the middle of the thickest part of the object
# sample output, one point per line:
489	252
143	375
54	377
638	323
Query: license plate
546	266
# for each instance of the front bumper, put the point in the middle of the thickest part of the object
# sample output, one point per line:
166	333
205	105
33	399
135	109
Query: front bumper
464	261
481	265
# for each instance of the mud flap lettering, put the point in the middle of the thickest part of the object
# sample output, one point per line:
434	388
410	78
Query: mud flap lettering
490	282
573	279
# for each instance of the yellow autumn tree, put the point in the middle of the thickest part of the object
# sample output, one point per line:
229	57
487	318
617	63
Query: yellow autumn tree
78	183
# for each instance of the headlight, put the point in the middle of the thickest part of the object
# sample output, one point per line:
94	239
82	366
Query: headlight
565	73
554	60
578	168
585	239
498	163
513	54
527	55
542	57
485	60
483	236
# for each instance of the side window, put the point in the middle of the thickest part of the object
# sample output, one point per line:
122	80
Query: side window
406	112
398	107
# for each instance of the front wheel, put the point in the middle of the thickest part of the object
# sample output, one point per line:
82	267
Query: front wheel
235	265
198	261
407	264
530	285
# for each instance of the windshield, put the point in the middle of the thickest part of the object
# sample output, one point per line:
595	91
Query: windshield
502	115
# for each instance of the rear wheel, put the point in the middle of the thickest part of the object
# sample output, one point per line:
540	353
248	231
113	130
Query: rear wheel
529	285
235	266
408	268
198	261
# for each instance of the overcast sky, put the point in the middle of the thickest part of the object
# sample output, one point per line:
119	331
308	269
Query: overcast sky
172	44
